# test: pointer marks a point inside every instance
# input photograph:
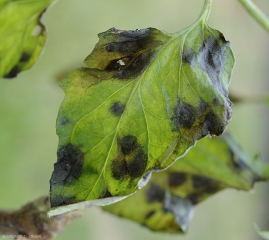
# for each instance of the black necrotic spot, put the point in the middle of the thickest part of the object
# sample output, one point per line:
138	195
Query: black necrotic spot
68	166
138	163
135	47
13	72
194	198
64	121
212	60
117	108
202	107
119	64
183	115
212	53
128	144
176	179
212	125
188	56
24	57
131	161
60	201
200	182
155	194
119	168
127	48
135	67
185	118
106	194
212	187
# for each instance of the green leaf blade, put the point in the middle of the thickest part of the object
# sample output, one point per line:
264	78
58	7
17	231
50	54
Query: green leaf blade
141	104
22	35
167	203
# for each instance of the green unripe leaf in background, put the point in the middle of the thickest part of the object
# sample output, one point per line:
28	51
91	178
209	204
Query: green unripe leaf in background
22	35
142	101
167	203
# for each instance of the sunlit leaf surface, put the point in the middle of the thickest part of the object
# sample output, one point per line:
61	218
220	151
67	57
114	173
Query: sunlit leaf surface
144	99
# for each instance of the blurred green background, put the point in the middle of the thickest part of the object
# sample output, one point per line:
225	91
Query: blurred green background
29	105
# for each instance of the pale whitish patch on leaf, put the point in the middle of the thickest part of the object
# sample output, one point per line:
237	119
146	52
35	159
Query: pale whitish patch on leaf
82	205
167	203
22	35
144	99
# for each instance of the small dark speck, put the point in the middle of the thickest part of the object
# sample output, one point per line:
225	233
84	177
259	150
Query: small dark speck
24	57
64	121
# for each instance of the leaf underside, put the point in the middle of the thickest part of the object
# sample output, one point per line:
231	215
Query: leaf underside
167	203
22	35
142	101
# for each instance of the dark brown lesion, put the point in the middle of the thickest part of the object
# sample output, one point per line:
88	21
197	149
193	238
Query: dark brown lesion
13	72
183	115
200	181
188	56
105	194
25	57
58	201
130	66
212	125
202	187
131	161
155	194
117	108
64	121
200	119
212	60
68	167
126	53
176	179
136	66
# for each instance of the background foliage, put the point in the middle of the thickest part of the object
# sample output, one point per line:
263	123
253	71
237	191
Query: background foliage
29	107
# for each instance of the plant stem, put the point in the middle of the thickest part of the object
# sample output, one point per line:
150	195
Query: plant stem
32	219
206	10
256	13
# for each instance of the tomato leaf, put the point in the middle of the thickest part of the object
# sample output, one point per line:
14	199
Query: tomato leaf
22	35
167	203
144	99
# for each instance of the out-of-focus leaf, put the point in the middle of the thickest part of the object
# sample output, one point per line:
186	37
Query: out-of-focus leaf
22	35
167	202
143	100
263	234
